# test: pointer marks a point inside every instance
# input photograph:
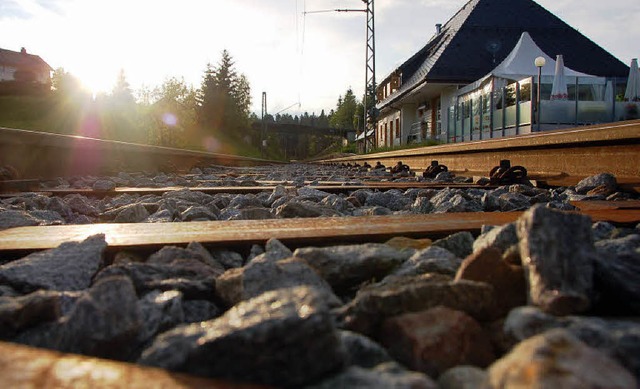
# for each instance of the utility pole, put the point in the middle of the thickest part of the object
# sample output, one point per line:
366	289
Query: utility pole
370	74
370	67
263	141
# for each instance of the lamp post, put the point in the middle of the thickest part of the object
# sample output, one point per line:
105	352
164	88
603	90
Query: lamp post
539	62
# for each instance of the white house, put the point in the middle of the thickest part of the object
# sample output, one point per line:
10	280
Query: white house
413	100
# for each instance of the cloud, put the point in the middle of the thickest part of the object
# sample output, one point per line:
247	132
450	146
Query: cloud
10	9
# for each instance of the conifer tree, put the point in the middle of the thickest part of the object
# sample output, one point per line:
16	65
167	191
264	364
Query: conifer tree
224	97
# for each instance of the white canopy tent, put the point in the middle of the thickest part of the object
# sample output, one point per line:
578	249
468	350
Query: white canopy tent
519	64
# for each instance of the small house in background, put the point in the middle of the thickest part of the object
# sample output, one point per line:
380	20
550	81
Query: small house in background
21	72
421	99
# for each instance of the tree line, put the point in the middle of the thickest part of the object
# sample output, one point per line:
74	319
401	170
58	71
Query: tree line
214	117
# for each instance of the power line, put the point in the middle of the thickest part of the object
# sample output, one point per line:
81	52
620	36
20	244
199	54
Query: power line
370	64
335	10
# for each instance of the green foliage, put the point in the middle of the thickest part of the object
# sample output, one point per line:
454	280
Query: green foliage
345	115
171	117
429	142
224	98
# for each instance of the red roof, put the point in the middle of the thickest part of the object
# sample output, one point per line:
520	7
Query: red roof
22	59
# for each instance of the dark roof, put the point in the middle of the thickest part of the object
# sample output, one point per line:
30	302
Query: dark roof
22	60
483	32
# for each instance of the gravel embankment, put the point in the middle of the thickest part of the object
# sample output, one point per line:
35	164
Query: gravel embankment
551	300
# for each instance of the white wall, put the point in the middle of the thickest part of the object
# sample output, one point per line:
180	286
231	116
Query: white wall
388	119
409	115
6	73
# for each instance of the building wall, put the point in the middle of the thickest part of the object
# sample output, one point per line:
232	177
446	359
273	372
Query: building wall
386	129
408	116
6	73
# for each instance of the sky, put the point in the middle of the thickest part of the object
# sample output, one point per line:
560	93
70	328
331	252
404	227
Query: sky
302	61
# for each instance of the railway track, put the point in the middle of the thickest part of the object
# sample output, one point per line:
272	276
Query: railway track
557	158
393	239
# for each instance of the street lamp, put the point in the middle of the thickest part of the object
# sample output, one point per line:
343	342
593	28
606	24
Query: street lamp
539	62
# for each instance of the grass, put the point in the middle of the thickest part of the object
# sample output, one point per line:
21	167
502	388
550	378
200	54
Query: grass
426	143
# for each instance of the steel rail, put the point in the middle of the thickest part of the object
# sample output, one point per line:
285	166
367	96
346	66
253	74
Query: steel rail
557	158
44	155
293	232
28	367
8	193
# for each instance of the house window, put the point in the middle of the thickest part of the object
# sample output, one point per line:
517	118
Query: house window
398	128
391	127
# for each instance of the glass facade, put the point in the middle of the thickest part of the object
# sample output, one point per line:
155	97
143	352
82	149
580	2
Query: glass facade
500	108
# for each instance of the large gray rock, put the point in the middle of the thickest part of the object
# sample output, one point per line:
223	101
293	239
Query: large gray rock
303	209
103	186
159	311
454	200
199	310
194	250
315	194
421	205
500	238
388	375
376	302
363	351
104	322
193	278
283	338
338	203
346	267
393	200
513	202
14	218
558	255
556	359
430	260
274	251
189	196
460	244
17	313
227	258
244	202
617	275
255	213
619	339
278	192
200	213
71	266
134	213
261	276
604	179
81	205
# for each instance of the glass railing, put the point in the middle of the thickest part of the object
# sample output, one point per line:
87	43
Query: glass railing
511	110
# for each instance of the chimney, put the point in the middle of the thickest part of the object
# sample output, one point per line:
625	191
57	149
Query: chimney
23	50
438	28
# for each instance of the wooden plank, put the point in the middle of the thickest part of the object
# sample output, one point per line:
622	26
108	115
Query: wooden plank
27	367
295	232
330	188
604	205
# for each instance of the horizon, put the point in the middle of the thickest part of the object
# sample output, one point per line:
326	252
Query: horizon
285	54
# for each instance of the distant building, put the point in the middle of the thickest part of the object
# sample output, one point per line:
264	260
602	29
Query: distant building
420	99
20	69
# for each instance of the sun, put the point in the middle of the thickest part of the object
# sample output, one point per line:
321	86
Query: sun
97	80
